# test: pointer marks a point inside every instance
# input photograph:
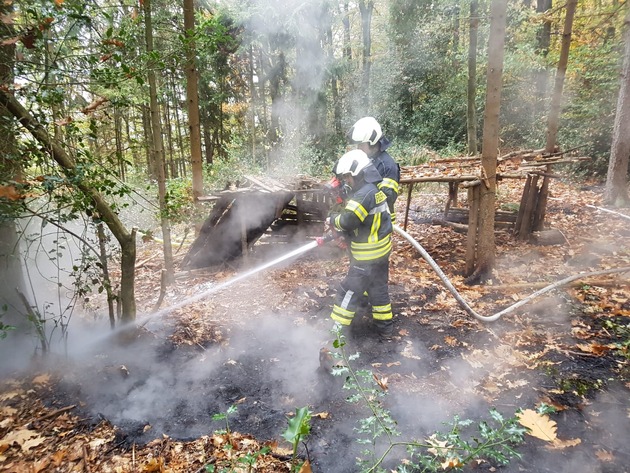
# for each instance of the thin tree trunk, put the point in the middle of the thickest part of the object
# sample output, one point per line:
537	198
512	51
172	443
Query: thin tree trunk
102	245
192	99
556	99
543	40
489	153
158	148
366	10
471	114
178	129
120	158
126	240
553	121
169	161
146	128
11	277
252	107
616	190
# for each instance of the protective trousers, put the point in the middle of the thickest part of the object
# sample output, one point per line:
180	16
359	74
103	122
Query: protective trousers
365	277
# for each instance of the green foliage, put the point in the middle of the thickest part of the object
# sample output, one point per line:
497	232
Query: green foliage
224	416
464	442
4	328
237	463
299	427
179	202
621	331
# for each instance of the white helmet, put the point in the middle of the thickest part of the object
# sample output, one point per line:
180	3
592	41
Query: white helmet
365	130
353	162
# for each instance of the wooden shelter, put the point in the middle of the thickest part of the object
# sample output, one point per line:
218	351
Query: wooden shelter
467	173
296	210
260	206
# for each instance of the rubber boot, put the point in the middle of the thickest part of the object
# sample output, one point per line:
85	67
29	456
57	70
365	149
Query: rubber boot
385	330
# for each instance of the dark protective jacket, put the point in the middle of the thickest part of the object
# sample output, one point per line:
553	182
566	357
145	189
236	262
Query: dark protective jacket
390	172
366	220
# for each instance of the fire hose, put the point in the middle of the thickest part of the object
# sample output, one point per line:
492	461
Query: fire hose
491	318
462	302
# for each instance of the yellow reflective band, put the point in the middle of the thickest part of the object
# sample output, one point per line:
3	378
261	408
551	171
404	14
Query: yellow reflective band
390	184
371	251
382	315
337	223
341	315
382	308
376	224
357	208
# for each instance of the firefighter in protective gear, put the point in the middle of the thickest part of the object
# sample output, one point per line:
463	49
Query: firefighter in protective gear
367	134
366	221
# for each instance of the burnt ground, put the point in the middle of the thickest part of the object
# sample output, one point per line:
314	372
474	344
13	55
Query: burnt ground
255	345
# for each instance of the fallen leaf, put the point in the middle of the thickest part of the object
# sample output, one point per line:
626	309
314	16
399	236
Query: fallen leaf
604	455
558	444
20	437
34	442
42	379
306	467
539	425
451	341
451	463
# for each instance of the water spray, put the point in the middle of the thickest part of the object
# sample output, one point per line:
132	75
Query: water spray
492	318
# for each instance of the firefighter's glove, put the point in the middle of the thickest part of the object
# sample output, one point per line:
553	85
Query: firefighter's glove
326	237
340	240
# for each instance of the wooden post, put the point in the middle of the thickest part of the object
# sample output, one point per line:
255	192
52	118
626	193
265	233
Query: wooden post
541	205
243	216
525	228
408	205
473	222
521	207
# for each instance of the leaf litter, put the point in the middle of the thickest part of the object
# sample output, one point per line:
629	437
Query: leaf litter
558	354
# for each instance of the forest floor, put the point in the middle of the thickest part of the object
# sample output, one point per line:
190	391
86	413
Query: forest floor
206	386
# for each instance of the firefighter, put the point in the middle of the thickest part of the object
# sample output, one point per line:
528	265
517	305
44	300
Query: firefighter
366	222
367	134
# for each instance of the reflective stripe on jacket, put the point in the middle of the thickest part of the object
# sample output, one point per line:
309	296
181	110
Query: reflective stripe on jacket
366	219
390	172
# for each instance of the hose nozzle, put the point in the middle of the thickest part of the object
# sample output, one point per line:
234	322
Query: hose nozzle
325	238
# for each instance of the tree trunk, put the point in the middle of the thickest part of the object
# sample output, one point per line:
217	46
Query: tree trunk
489	153
192	98
120	158
616	190
556	99
170	160
366	10
126	240
471	115
146	128
554	112
158	147
345	20
11	277
543	40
